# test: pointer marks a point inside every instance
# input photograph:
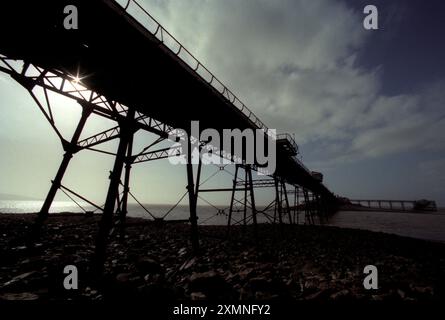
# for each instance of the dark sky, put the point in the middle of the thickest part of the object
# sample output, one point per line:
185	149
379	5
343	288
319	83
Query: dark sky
409	46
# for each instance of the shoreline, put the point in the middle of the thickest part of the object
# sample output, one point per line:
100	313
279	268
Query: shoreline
297	263
332	222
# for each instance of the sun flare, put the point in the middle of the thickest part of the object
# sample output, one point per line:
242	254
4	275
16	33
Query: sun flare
77	79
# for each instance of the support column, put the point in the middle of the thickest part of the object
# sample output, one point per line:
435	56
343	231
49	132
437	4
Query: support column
315	208
245	201
297	203
128	163
232	199
113	191
192	199
307	208
319	208
278	201
286	199
252	200
70	149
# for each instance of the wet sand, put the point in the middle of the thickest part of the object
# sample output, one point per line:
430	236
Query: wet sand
154	262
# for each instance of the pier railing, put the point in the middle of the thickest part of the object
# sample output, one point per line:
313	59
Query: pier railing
135	10
142	16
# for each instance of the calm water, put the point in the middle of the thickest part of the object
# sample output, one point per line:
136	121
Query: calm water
207	215
430	226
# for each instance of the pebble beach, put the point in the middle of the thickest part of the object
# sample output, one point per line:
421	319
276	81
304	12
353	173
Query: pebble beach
155	262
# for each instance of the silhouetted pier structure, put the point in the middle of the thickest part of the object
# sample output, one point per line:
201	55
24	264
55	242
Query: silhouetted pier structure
140	77
397	205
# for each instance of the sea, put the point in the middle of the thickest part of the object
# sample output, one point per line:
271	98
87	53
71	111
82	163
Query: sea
428	226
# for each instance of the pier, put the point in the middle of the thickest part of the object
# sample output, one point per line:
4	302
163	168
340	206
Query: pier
397	205
132	62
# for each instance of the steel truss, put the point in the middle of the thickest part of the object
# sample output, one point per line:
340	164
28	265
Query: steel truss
129	121
34	78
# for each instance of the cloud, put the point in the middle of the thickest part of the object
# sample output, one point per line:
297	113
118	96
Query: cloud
433	176
3	77
433	168
294	64
403	123
278	56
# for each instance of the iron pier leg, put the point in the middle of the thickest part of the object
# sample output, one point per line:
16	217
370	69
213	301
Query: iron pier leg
245	200
298	204
275	212
319	208
307	204
192	199
113	191
232	199
198	179
295	205
70	149
252	200
278	201
313	208
286	199
124	211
